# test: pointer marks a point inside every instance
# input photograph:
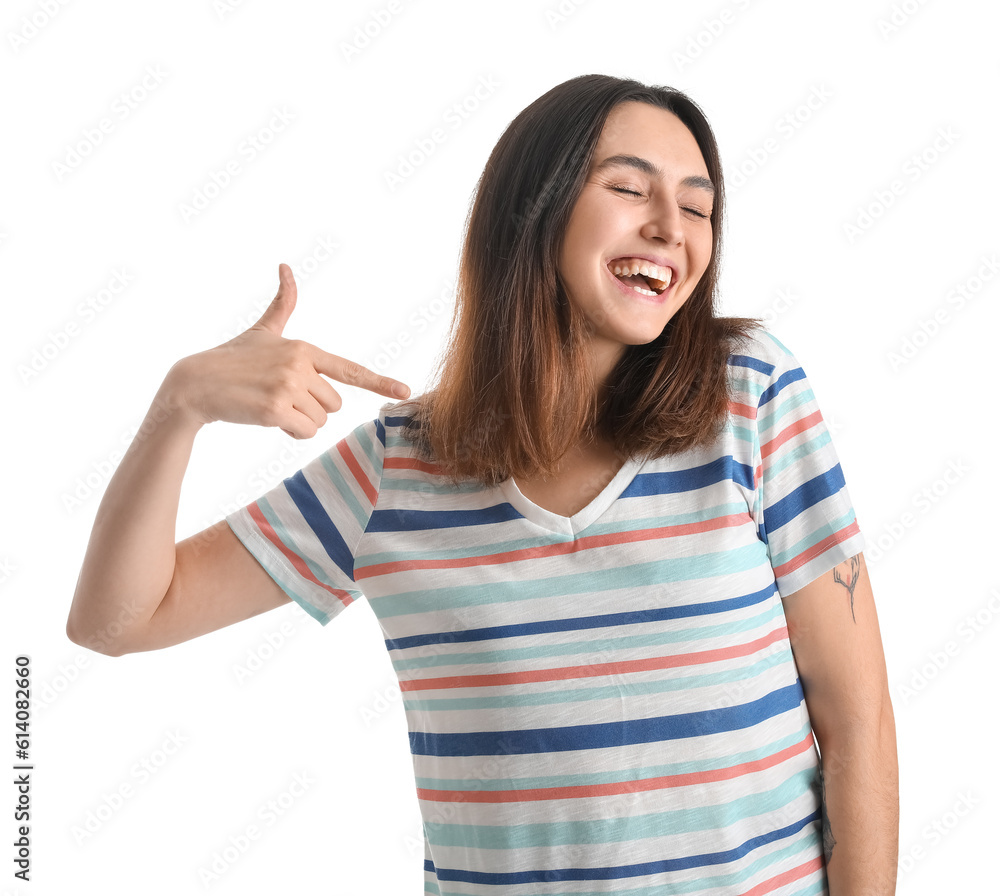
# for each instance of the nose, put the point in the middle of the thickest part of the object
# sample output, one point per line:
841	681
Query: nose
664	222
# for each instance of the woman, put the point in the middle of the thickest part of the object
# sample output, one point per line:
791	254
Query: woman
592	547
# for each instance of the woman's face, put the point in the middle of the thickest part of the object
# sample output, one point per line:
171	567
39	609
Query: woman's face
646	201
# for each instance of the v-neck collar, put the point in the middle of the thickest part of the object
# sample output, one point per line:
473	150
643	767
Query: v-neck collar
575	524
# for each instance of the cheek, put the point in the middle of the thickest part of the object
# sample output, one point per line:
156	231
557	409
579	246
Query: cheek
565	262
575	250
589	223
705	253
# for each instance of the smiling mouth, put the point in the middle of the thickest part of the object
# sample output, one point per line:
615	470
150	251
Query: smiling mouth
645	278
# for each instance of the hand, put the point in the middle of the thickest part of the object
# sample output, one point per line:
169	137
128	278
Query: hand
263	378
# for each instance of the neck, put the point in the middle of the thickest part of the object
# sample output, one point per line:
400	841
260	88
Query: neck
605	357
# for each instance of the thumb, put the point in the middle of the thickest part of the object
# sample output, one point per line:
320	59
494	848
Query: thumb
276	314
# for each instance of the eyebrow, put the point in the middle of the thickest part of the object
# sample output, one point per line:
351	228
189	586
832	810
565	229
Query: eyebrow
647	167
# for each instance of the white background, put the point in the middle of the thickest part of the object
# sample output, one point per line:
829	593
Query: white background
900	92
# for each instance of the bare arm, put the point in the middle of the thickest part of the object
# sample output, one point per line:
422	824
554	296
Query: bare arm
137	589
834	632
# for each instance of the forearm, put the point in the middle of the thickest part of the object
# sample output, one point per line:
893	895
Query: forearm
129	562
861	806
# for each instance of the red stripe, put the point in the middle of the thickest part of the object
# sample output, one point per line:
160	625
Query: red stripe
583	791
412	463
296	561
790	432
817	549
563	673
362	479
786	877
587	543
743	410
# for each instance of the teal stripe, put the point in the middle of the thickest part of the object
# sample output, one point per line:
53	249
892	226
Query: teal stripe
752	388
405	481
774	417
274	563
743	434
609	692
618	830
813	538
370	447
661	571
767	334
788	457
815	888
701	515
602	644
319	571
342	481
650	771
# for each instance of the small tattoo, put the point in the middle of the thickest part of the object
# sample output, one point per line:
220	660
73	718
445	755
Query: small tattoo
828	842
850	581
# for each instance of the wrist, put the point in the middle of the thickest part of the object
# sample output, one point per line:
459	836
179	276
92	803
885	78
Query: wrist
174	399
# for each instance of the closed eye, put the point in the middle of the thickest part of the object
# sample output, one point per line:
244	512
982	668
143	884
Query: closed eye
693	211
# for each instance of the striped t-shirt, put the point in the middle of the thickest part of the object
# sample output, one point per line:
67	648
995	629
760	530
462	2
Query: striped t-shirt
602	703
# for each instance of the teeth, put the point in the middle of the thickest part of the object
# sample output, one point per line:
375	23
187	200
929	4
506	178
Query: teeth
645	292
638	266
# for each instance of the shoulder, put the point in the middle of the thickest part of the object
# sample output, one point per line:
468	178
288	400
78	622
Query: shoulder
763	366
373	435
402	413
398	426
760	350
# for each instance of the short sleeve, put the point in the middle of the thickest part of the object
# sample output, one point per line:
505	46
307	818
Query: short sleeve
305	531
801	504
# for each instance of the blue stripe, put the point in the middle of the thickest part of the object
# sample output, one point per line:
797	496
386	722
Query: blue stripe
805	496
402	420
402	520
664	866
316	517
577	623
753	363
785	379
608	734
655	636
630	774
721	469
673	481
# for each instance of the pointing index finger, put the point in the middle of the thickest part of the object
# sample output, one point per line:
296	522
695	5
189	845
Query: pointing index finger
346	371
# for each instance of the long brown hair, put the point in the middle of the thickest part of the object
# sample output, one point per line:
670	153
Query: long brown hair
513	390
